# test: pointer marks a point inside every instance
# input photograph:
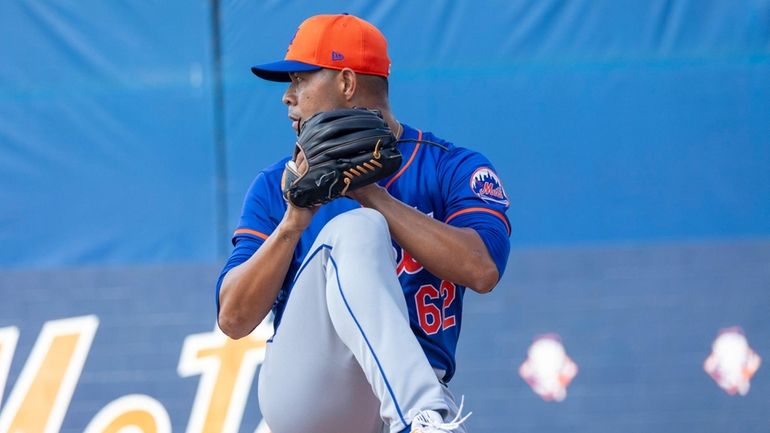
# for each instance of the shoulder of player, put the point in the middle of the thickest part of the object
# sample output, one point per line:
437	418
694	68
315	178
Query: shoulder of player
434	142
438	155
442	148
451	154
419	143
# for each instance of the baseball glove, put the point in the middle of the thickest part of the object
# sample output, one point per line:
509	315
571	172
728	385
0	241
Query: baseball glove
344	150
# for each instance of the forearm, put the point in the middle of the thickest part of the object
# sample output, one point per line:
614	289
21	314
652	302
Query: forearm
249	289
450	253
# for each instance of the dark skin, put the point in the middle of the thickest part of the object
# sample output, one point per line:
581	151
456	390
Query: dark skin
450	253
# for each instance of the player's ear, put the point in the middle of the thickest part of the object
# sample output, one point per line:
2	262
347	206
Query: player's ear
348	82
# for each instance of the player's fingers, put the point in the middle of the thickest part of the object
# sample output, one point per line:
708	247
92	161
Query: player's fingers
301	163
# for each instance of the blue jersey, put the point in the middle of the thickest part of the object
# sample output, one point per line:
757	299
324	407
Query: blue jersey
454	185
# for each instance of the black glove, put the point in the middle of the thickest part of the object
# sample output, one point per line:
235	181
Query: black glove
344	150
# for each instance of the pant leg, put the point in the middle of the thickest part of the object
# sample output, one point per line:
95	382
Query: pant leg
346	328
310	381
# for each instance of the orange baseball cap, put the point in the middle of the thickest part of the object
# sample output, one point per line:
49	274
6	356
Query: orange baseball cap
333	42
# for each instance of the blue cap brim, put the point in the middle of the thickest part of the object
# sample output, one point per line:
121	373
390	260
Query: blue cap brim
279	71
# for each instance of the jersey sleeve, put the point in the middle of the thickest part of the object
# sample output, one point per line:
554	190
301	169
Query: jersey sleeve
258	220
262	207
475	198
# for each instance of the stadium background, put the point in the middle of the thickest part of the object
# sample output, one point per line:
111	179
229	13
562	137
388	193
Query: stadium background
633	139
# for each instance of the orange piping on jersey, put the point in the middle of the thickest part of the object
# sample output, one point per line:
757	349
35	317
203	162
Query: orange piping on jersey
250	232
411	158
481	209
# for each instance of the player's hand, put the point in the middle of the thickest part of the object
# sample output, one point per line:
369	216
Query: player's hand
296	219
369	195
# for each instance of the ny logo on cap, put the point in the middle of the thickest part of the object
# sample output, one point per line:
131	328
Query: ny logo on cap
336	57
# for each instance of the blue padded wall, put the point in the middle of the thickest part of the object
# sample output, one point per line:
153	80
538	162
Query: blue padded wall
609	121
633	139
106	149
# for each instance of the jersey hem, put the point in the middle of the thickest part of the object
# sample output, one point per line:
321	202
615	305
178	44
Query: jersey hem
250	232
481	209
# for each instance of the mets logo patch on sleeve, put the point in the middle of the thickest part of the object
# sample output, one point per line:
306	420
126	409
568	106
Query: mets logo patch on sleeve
487	186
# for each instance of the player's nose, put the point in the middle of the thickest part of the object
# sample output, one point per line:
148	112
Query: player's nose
289	98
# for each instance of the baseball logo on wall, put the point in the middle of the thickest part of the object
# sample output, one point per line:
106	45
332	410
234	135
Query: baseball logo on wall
548	370
732	362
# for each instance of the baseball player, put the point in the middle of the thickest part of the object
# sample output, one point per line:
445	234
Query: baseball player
367	289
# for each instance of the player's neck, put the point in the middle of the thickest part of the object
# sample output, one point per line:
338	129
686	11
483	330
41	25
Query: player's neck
381	104
389	118
393	123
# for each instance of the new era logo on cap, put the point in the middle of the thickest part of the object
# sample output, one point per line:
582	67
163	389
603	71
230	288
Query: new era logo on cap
337	57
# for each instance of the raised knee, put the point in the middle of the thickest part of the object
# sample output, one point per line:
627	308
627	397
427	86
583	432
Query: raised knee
359	219
357	225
